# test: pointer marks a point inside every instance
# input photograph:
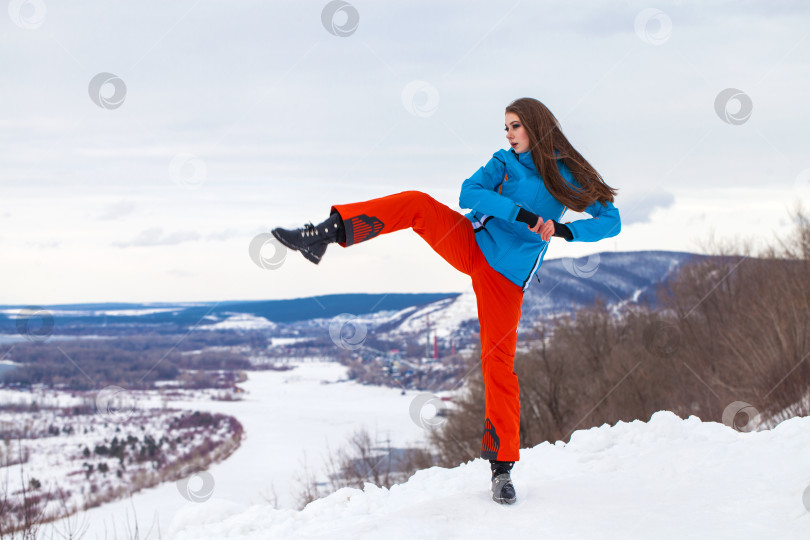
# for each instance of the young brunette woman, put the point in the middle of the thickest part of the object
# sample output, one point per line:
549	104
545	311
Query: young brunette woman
517	200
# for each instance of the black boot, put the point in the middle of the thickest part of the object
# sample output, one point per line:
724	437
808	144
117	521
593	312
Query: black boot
311	240
503	491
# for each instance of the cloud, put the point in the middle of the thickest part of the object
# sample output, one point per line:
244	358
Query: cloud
223	235
44	244
117	210
156	237
178	273
638	209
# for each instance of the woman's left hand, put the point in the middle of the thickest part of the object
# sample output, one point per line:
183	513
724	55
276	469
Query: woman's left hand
547	230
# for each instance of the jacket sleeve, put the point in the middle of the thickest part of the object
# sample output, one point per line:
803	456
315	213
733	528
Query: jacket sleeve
479	192
605	223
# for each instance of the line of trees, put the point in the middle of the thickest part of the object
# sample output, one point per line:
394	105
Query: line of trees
129	362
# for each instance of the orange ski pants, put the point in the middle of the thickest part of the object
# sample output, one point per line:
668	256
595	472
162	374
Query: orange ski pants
451	235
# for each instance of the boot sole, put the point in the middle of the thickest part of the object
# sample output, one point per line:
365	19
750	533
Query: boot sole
308	255
503	501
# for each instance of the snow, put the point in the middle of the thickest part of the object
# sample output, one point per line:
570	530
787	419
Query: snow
666	478
284	341
240	321
55	441
446	315
288	416
42	396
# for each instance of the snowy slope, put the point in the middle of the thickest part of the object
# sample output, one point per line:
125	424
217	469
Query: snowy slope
667	478
564	285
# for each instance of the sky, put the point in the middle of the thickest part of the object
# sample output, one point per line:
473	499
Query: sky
143	146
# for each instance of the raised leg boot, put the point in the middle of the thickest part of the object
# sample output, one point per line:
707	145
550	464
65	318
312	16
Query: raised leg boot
312	240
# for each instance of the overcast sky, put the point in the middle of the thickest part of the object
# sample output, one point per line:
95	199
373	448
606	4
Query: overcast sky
219	120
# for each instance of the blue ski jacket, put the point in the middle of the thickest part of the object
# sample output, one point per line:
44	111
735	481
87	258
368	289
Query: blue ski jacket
496	192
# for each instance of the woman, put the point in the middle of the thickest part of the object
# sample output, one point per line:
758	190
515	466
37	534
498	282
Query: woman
517	200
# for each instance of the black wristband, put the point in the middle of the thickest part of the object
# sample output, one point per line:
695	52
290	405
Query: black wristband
562	231
524	216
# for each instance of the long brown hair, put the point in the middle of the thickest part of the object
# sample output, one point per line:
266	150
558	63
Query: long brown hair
546	136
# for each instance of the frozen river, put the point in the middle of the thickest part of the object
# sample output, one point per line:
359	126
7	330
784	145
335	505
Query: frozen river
290	417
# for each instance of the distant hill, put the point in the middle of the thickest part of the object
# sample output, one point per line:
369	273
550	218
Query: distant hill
564	286
189	314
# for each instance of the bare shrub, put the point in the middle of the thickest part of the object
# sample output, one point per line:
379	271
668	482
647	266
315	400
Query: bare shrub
308	490
458	439
746	324
363	461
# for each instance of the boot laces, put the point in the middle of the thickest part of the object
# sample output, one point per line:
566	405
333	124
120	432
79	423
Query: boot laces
309	230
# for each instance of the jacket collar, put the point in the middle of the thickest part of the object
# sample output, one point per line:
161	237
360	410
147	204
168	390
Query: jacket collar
525	158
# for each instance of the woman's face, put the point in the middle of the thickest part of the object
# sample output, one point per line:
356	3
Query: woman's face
515	134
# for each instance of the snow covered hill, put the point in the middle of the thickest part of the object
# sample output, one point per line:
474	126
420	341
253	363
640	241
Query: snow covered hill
666	478
561	286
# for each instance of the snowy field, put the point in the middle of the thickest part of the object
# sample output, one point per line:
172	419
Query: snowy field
665	479
288	416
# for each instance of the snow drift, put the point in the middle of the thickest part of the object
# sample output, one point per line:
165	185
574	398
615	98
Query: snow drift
666	478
